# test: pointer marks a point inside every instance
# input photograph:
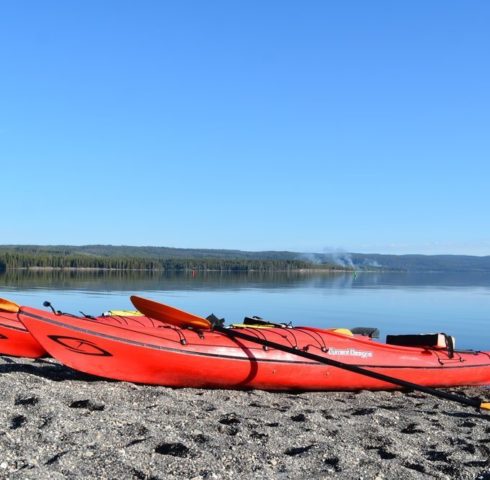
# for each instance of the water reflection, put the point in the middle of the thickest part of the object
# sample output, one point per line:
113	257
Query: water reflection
156	281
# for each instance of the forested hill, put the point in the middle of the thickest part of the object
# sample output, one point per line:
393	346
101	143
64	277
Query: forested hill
151	258
166	258
147	252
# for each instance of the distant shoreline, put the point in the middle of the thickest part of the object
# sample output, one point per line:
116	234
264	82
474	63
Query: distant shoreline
128	258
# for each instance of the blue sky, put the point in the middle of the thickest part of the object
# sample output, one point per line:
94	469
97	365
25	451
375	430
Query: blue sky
307	126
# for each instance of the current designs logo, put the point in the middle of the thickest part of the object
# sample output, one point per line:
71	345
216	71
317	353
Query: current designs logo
350	352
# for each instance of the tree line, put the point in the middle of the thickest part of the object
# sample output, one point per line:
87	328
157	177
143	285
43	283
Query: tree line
28	260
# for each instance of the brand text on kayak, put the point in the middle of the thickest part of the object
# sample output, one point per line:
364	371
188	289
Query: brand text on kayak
350	352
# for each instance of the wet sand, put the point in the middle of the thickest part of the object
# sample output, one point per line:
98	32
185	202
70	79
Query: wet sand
57	423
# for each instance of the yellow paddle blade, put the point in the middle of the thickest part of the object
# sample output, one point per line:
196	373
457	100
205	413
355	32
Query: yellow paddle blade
168	314
8	306
485	406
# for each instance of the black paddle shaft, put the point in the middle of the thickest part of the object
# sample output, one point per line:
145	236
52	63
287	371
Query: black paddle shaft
234	333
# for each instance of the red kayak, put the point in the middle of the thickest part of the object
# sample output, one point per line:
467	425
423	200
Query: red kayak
16	340
181	357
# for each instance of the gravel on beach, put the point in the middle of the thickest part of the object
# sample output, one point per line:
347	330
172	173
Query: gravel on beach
57	423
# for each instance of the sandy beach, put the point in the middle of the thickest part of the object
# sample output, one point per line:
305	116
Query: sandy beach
57	423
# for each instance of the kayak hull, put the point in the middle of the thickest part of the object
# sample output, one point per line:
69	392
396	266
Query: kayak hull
15	339
171	356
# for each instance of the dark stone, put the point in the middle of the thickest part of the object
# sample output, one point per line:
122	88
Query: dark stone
385	455
299	418
87	404
450	470
411	428
437	456
415	466
136	441
27	401
297	450
174	449
56	457
389	407
469	448
477	463
364	411
333	462
17	422
229	420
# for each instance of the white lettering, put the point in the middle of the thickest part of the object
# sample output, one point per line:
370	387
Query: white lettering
350	352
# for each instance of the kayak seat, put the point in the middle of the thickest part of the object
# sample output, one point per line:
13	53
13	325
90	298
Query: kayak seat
366	331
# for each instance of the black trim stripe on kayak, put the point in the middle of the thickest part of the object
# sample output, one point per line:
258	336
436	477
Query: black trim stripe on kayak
214	355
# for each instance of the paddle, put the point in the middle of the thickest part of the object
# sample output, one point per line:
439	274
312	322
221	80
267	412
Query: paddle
8	306
174	316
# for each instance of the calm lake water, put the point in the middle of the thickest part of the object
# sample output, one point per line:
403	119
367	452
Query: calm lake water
455	303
